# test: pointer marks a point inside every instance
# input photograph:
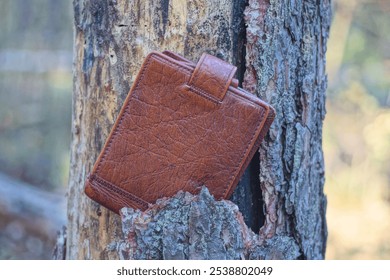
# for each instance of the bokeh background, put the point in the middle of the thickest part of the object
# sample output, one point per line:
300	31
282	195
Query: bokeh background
36	41
357	131
35	121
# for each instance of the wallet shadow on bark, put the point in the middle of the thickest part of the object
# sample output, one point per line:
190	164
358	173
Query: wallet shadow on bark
247	196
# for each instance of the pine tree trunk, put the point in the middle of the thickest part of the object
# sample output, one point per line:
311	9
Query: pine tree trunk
283	62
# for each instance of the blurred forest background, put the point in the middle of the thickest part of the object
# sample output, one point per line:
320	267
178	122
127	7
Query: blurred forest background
35	122
36	41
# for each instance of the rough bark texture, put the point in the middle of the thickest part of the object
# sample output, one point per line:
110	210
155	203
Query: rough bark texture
285	59
59	252
285	54
196	227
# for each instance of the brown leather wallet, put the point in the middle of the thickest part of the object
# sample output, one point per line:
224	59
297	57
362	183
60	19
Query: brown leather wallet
182	126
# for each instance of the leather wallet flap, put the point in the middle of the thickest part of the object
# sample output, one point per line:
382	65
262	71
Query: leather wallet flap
183	125
212	77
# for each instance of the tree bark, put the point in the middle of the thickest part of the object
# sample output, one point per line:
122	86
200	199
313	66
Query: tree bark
196	227
285	62
286	46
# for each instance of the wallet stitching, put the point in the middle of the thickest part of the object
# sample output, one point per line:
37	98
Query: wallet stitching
261	120
196	70
231	179
190	86
193	81
229	78
223	88
122	117
240	162
202	93
173	64
206	95
104	183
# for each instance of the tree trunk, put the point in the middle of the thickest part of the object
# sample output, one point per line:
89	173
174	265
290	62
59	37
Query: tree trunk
283	62
286	46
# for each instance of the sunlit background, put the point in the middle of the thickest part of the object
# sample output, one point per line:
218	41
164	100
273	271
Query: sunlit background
357	131
35	121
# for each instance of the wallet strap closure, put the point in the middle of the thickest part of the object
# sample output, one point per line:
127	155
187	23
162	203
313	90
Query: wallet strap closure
212	77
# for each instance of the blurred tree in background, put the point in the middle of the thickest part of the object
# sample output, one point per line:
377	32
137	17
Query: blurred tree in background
35	107
35	90
35	115
357	131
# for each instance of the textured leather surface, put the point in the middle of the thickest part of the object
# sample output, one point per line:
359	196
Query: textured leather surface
212	76
170	137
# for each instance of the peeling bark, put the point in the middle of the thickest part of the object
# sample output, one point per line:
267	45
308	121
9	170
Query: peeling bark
285	50
195	227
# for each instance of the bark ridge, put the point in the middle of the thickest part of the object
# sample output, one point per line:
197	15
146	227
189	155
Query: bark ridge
190	226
